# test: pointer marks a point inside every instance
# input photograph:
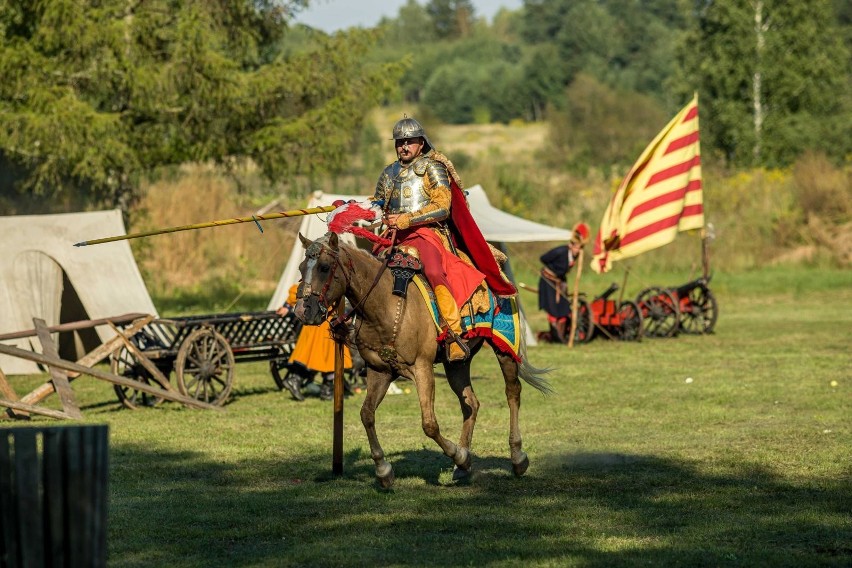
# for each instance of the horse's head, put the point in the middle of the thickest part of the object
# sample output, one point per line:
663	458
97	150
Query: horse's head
323	279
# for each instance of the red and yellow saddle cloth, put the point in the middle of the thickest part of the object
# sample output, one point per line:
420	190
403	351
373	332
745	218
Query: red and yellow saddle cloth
501	322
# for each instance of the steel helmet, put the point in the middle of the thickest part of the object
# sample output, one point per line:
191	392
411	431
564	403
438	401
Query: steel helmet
410	128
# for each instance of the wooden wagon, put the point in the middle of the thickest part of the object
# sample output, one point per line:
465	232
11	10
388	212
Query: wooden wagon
203	351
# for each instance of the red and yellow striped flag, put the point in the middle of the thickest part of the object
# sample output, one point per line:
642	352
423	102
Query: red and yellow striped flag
659	196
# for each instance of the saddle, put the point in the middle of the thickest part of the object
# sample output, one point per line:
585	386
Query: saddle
403	266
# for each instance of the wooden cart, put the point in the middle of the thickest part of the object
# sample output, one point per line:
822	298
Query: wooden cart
203	351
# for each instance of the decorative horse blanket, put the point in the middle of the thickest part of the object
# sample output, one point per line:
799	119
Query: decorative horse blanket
500	323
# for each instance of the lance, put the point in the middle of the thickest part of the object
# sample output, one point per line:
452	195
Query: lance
254	218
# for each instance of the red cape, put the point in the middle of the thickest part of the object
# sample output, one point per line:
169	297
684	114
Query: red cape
468	238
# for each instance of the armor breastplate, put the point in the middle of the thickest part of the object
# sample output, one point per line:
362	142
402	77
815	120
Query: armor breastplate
407	191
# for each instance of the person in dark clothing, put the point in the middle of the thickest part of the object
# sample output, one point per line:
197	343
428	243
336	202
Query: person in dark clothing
552	284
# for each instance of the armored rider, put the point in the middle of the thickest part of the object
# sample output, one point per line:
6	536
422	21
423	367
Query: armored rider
417	195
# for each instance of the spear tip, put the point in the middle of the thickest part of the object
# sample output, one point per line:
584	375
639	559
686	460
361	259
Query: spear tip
81	244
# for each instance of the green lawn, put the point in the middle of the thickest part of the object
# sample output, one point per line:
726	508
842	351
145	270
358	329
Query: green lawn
746	465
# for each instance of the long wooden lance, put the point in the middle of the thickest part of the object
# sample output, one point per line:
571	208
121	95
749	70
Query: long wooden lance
254	218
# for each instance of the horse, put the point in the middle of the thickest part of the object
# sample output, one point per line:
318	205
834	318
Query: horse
396	336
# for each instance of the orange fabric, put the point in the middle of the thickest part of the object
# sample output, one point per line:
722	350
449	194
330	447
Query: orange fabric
291	295
315	349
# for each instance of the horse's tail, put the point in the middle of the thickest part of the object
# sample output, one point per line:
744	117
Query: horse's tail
532	375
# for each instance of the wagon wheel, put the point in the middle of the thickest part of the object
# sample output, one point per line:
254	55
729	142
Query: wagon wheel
123	364
660	314
278	366
631	322
205	366
701	311
585	327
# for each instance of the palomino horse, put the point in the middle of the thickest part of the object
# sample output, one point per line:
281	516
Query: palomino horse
396	338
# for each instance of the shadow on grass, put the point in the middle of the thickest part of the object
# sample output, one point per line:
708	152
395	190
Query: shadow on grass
578	509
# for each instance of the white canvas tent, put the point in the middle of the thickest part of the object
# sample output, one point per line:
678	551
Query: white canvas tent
43	275
497	226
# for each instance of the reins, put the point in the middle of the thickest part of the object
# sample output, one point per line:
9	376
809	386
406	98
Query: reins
342	318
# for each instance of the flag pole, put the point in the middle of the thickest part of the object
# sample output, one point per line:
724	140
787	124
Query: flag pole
575	300
254	218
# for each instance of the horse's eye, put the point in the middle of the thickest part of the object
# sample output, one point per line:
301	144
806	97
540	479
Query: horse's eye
323	268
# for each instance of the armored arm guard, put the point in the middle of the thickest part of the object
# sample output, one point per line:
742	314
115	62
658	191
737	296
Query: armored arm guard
436	184
384	186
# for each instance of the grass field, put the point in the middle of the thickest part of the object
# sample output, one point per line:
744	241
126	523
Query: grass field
746	465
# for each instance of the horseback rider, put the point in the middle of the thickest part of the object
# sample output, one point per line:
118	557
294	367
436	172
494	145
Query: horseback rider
423	202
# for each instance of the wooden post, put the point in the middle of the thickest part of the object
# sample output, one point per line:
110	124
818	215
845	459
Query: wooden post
89	360
574	301
7	392
59	377
337	448
705	253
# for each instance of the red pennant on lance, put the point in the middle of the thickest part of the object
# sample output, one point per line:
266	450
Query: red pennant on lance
660	195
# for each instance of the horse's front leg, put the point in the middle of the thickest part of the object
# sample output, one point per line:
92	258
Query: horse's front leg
458	376
424	379
377	387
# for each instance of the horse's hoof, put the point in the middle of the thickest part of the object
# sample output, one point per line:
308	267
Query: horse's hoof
386	477
521	467
460	474
462	458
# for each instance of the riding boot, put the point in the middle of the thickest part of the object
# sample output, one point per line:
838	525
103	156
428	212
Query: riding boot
457	349
327	388
293	383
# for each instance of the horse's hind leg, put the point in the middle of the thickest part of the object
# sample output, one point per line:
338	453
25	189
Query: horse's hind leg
520	461
377	387
458	376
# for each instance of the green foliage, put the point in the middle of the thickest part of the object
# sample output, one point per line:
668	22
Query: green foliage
98	93
471	92
626	44
601	127
773	89
451	18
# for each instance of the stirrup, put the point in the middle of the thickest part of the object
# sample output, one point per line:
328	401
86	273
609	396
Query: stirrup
454	338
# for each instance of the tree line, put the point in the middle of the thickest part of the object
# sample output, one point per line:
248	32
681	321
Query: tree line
97	95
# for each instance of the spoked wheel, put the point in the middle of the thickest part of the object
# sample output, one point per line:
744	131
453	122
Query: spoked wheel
585	328
205	367
699	311
279	367
286	376
631	322
660	315
123	364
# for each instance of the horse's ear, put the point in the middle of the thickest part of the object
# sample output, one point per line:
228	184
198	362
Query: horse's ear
305	242
332	240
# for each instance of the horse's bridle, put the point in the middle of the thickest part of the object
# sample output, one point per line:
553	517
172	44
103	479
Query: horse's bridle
313	253
305	290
